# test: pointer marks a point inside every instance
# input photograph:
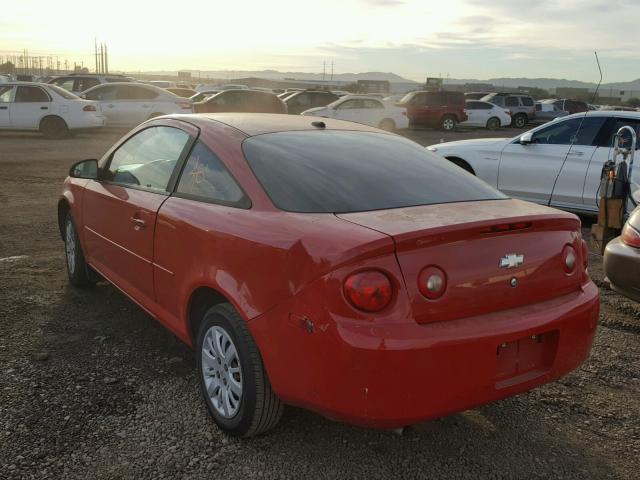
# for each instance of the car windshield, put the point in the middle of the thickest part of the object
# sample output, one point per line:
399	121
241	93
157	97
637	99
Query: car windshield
348	171
63	93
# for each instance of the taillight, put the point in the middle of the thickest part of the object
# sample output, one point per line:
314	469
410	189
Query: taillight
585	255
89	108
631	236
508	112
368	290
432	282
569	259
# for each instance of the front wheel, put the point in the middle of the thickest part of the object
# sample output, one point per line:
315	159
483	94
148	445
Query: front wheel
520	120
77	269
493	123
232	377
388	125
448	123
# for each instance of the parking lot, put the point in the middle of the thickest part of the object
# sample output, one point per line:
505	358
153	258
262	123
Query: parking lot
92	387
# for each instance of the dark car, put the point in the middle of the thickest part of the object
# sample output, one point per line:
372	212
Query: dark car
571	106
249	101
520	105
622	259
435	109
301	101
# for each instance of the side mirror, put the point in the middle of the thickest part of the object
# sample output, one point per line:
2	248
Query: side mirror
85	169
526	138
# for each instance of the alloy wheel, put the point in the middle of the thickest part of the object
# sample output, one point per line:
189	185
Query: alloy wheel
70	246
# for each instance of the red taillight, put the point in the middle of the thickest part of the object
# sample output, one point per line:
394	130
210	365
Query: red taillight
631	236
369	290
585	254
89	108
432	282
569	259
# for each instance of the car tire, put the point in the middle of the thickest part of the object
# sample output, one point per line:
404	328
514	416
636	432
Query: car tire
388	125
520	120
233	380
54	128
448	123
493	123
79	273
462	164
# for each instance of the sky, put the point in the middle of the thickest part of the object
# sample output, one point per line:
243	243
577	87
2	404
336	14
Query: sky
414	38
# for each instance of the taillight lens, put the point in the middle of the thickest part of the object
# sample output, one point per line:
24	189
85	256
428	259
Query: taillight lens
631	236
369	290
432	282
569	259
89	108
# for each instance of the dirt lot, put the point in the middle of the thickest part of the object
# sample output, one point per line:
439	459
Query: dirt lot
92	387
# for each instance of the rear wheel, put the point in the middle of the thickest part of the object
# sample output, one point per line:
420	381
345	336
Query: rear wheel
493	123
388	125
448	123
54	127
78	271
520	120
232	377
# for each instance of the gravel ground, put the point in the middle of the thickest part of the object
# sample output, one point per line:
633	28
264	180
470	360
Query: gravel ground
92	387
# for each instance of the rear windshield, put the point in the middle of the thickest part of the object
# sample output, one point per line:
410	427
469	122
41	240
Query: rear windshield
62	92
346	171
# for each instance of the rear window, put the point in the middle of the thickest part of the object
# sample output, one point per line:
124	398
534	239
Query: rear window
62	92
345	171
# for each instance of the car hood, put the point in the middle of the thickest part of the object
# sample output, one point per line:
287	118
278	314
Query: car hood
477	142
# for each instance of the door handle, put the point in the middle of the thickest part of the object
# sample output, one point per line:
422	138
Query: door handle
138	223
111	105
3	108
577	154
44	108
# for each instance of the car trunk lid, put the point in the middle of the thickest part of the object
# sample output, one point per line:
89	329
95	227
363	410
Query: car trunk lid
495	254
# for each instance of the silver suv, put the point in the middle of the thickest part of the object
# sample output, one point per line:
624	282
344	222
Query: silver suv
79	82
521	106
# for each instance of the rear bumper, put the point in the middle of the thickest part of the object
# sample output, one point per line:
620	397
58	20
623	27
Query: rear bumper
622	268
390	376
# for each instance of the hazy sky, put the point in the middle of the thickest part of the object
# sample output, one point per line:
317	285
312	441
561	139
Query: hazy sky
413	38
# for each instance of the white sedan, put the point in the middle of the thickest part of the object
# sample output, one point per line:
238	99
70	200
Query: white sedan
364	109
485	114
128	104
46	108
556	164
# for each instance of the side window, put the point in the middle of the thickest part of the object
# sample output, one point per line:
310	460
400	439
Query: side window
228	98
83	84
435	99
564	132
131	92
5	93
367	103
349	105
419	99
204	176
103	93
479	106
66	83
148	158
626	136
527	101
304	100
30	95
498	100
512	102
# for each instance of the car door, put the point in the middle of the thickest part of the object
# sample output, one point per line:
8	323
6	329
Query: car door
6	100
474	114
30	105
550	163
135	103
119	209
349	110
372	112
106	95
604	152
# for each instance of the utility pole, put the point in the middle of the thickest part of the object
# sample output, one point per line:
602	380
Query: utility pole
324	66
95	51
106	59
331	71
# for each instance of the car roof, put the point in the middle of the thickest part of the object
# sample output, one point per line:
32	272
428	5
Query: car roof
605	113
260	123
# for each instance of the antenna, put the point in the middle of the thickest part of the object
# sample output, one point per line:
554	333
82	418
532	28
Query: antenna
575	137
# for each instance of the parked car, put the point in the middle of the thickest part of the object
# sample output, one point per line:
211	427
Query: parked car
237	100
364	109
622	259
435	109
78	83
128	104
557	164
182	92
46	108
546	111
331	266
521	106
200	96
475	95
571	106
298	102
485	114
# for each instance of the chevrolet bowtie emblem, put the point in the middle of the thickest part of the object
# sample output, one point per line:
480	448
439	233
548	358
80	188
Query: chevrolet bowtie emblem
511	260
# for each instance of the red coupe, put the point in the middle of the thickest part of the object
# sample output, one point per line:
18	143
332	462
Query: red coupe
330	265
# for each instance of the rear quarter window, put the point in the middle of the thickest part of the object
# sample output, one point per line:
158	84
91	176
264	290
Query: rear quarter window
344	171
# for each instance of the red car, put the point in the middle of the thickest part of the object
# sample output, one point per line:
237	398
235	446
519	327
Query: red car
435	109
330	265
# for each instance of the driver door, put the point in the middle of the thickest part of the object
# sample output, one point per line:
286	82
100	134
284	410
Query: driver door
120	208
350	110
550	164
